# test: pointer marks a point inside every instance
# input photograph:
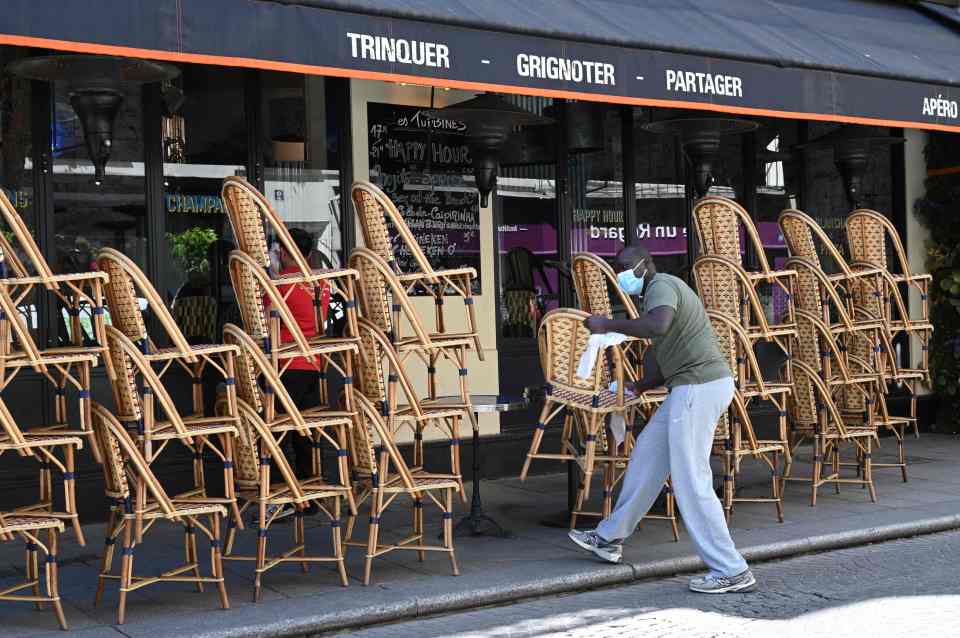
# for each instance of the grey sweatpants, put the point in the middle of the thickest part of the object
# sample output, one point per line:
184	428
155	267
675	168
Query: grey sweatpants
677	442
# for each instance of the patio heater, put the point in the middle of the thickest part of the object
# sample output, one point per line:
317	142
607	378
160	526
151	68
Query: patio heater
700	139
94	84
852	147
490	121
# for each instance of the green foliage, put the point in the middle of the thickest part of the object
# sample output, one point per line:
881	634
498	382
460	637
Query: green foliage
937	210
189	248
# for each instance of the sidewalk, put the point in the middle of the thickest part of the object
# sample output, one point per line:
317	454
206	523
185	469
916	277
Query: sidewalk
538	560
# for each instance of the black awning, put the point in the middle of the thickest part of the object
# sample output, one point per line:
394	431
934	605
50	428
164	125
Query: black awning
878	62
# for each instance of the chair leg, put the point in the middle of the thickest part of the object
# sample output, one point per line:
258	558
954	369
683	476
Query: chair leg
261	551
126	571
537	439
608	479
33	569
70	494
53	577
106	565
817	468
868	471
375	505
448	529
338	543
729	477
775	479
216	561
836	466
672	512
418	524
455	446
591	451
901	452
190	551
299	539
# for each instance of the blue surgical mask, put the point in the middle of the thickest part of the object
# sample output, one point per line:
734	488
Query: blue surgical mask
630	283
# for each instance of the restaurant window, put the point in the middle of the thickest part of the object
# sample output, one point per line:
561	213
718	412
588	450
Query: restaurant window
204	141
530	270
17	157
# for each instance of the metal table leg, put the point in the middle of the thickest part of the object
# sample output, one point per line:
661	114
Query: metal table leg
476	523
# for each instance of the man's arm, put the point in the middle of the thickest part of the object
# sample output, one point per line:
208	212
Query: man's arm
652	376
653	324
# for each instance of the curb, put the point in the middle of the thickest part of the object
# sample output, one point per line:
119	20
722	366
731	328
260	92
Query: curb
606	576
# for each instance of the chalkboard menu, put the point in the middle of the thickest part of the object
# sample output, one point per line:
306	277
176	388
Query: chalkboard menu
421	163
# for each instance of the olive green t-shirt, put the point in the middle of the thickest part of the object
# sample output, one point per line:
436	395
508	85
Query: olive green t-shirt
688	353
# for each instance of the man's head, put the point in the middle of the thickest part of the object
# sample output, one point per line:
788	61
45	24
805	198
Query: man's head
637	259
304	242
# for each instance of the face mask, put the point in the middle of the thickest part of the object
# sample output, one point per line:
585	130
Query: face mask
630	283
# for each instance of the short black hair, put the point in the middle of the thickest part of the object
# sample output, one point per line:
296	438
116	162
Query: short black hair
304	241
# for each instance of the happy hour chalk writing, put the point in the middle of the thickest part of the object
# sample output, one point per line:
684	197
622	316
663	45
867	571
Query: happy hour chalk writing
420	162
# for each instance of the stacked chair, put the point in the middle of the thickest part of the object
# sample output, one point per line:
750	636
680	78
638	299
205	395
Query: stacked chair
843	339
380	471
259	456
731	295
67	367
29	528
596	285
395	345
868	234
735	438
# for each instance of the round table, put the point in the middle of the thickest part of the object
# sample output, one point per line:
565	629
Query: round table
476	523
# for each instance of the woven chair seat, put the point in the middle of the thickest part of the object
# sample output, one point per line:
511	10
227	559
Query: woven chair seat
439	341
316	274
37	279
184	507
38	441
280	493
770	276
438	274
914	324
319	346
25	523
753	390
313	419
162	354
51	356
607	401
405	412
164	430
905	374
422	481
764	446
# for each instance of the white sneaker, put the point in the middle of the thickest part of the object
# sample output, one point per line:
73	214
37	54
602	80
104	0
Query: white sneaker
713	584
610	551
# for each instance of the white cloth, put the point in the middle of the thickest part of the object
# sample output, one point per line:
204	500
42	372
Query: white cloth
676	442
597	342
618	424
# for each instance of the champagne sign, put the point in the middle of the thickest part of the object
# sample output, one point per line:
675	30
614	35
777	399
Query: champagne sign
421	163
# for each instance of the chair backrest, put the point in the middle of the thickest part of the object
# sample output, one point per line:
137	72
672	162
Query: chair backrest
866	235
593	279
26	242
260	365
120	453
246	455
380	369
804	404
252	285
377	212
257	432
383	299
9	426
371	433
19	331
562	341
250	215
735	346
248	386
126	280
719	220
196	316
129	366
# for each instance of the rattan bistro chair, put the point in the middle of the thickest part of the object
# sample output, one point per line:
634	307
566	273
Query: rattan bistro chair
735	438
50	450
79	293
260	459
384	301
252	216
595	284
377	214
264	310
381	470
30	528
143	403
718	221
383	380
139	507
